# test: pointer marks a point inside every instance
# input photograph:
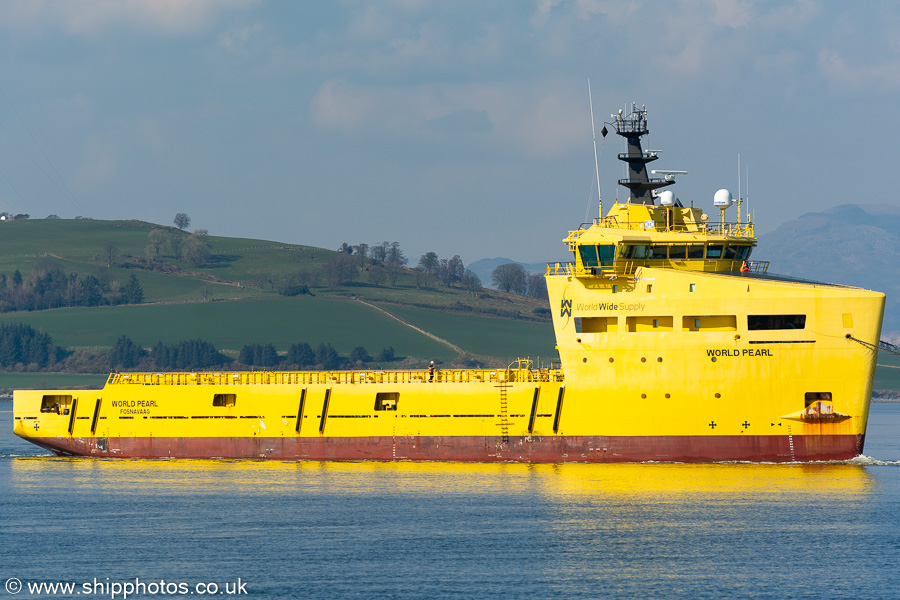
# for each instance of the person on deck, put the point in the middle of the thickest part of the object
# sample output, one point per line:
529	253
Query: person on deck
431	372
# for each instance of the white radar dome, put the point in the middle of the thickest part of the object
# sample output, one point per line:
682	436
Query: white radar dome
667	198
723	198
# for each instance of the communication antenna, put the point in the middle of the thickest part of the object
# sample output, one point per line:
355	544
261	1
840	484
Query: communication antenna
596	162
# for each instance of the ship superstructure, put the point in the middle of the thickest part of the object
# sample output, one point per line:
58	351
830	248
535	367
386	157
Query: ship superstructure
674	346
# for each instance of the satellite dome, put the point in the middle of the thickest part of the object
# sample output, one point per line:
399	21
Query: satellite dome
723	199
667	198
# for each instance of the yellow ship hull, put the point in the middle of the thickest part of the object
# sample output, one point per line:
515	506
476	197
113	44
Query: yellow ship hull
680	394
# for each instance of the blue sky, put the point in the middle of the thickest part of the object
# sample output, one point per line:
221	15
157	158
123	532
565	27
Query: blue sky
455	127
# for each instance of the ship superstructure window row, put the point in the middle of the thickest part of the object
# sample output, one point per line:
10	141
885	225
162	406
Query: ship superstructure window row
603	255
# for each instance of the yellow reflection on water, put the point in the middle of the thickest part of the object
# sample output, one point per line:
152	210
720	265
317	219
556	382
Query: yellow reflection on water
613	481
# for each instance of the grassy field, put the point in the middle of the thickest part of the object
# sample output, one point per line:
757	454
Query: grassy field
343	322
484	336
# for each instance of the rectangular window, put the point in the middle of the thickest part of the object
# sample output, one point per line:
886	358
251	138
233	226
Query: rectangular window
55	403
224	399
678	252
693	287
639	324
387	400
633	251
770	322
714	251
730	253
743	252
709	323
598	324
607	254
588	256
695	251
658	251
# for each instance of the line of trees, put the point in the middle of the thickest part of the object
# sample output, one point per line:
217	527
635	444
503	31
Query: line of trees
192	248
20	343
49	286
199	354
513	278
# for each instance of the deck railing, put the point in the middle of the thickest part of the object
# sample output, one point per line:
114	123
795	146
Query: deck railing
335	377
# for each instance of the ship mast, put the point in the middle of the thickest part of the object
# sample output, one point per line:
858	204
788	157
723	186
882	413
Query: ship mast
632	127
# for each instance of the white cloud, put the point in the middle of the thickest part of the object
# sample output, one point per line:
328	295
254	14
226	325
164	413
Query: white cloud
85	17
538	118
844	76
236	39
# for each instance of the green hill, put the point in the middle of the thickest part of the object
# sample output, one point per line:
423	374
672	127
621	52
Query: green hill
232	297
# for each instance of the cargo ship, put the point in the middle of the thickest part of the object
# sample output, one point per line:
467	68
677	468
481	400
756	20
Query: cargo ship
674	345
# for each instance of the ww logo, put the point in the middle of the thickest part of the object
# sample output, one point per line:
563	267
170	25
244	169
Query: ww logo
566	309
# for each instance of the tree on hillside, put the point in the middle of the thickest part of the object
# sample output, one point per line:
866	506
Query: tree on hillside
156	241
125	354
176	240
20	343
377	274
301	355
450	271
132	292
536	286
111	250
182	221
339	270
470	282
395	260
327	356
429	262
52	216
510	278
379	252
420	277
359	354
362	252
196	249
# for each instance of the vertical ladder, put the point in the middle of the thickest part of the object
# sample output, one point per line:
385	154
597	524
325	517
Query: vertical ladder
504	420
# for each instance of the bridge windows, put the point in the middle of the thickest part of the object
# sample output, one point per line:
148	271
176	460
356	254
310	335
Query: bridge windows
634	251
695	251
602	255
714	251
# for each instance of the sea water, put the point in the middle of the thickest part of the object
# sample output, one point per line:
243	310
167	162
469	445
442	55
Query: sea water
267	529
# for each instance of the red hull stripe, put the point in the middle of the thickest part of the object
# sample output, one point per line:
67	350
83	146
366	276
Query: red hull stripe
759	448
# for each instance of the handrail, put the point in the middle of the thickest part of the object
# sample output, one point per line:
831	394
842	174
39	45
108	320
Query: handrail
336	377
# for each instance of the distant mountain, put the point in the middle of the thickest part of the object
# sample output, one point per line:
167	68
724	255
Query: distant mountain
852	244
485	266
